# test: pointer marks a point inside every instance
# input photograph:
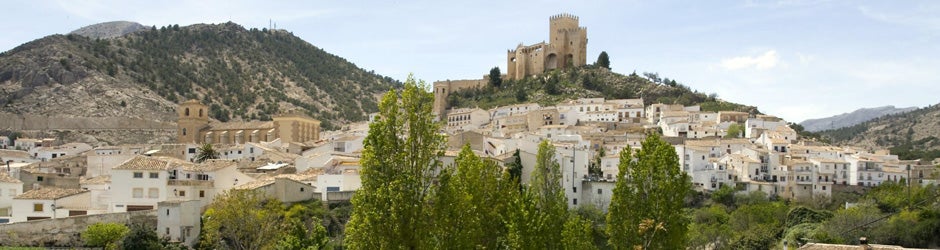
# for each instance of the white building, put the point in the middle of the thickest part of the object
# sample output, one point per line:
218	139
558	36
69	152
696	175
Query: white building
49	153
9	188
46	203
178	221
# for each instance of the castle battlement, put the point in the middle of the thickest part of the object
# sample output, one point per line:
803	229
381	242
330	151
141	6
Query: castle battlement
563	15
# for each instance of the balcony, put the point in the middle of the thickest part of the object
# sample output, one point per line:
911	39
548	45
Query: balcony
193	183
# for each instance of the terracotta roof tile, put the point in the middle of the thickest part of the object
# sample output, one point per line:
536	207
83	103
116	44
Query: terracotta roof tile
48	193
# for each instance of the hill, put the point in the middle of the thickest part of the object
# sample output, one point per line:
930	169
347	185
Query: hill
108	29
239	73
910	135
849	119
589	81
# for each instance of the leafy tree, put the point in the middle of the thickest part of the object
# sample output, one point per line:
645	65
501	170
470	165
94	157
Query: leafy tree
709	228
104	235
245	219
496	78
724	195
736	130
577	233
542	210
142	237
206	152
400	154
472	195
603	60
654	184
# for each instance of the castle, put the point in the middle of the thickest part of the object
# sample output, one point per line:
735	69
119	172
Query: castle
193	127
566	47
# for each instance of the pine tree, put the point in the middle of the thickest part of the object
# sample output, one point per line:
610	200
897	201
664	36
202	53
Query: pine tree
603	60
646	207
400	154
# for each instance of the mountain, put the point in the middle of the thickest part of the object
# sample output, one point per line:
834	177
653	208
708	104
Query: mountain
108	29
240	73
849	119
910	135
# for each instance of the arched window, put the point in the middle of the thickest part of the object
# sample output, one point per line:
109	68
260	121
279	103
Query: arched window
184	131
186	112
200	112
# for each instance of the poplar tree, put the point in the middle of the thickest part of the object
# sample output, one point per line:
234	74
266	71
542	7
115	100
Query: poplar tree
542	210
469	204
399	158
646	207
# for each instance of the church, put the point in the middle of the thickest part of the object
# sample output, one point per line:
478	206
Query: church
193	126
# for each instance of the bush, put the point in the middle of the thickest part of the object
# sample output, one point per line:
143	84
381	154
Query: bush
104	235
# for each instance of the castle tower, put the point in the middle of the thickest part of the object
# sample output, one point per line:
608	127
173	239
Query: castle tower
568	41
192	118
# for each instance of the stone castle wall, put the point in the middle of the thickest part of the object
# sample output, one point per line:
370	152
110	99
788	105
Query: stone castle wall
66	232
443	88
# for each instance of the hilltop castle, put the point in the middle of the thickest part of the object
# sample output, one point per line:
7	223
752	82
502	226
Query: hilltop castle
566	47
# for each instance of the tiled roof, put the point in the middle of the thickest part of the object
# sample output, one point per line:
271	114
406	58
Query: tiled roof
103	179
49	193
210	165
143	163
6	178
250	125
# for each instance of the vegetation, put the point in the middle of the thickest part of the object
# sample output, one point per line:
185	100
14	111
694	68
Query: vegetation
603	60
206	152
105	235
398	160
555	86
735	130
245	219
652	180
496	78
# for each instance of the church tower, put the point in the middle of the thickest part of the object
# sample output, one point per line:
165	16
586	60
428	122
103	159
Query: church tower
193	117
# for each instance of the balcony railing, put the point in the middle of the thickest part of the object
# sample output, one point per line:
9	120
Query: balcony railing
197	183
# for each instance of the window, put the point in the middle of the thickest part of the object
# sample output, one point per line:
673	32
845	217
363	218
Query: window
167	211
599	191
38	178
574	189
184	131
153	193
138	175
824	188
182	193
575	201
37	207
301	189
138	193
154	175
202	177
202	193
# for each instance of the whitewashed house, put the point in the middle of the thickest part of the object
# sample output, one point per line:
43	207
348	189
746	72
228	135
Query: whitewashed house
46	203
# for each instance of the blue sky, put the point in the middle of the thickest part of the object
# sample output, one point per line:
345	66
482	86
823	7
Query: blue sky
791	58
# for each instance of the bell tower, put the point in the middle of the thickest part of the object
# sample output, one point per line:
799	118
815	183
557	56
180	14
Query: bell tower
192	118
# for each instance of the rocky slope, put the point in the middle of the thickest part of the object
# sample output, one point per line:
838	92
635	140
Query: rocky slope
849	119
911	135
108	29
240	73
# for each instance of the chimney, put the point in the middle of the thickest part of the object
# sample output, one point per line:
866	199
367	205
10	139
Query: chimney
863	243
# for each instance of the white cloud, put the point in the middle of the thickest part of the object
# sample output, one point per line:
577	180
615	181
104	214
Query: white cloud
765	61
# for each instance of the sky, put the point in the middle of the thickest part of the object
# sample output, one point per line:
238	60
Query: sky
794	59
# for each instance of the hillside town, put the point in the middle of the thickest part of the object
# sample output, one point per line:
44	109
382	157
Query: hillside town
51	189
51	179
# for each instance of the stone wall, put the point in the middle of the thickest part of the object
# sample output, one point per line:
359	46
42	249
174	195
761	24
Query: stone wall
443	88
65	232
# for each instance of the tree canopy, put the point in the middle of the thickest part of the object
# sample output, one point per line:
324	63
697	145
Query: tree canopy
603	60
654	183
400	154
